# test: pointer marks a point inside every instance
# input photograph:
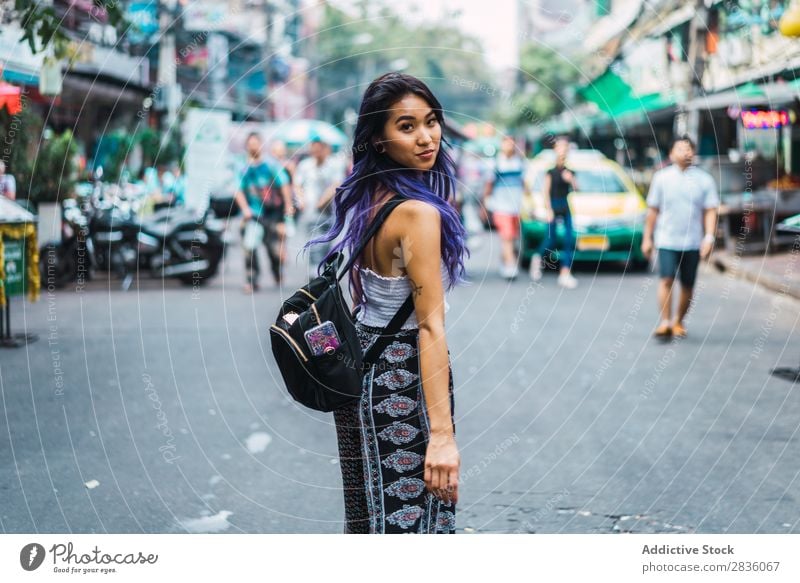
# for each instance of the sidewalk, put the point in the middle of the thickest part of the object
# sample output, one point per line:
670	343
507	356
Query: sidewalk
779	272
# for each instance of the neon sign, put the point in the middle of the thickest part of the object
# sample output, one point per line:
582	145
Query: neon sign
759	120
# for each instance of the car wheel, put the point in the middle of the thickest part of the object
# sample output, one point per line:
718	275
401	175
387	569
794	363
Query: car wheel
638	265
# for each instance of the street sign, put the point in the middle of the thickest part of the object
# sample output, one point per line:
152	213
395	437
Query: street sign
206	135
14	258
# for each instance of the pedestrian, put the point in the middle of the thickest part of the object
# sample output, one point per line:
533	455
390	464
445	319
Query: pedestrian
682	210
502	195
397	449
558	182
471	180
315	181
174	185
8	186
280	153
264	197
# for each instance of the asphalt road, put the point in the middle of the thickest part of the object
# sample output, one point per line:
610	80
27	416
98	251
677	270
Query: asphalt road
159	409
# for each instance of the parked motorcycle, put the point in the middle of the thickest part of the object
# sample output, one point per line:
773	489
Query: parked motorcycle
73	257
182	243
108	234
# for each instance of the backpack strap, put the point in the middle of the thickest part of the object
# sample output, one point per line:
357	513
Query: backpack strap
392	328
405	310
380	217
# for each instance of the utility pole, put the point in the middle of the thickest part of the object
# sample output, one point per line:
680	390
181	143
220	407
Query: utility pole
169	92
266	57
688	119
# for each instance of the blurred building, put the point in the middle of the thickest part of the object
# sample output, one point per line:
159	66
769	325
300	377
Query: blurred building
238	56
559	24
720	70
104	87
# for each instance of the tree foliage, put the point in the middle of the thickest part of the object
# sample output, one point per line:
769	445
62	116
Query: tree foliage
353	48
546	85
42	26
44	163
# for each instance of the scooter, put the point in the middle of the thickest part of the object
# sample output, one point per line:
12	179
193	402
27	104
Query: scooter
181	243
72	259
107	234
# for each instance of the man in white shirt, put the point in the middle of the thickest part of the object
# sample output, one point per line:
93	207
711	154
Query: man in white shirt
682	201
8	186
316	179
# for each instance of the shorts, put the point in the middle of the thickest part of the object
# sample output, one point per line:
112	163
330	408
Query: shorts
270	215
684	264
507	225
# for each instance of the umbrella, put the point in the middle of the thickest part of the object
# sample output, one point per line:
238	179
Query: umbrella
10	98
301	132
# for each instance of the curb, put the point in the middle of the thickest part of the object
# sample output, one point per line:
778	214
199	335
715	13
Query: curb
726	263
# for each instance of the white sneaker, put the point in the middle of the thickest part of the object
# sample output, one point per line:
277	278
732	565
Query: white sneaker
508	271
535	270
567	281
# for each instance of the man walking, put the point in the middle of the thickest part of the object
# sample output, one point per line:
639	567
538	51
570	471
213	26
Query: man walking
316	179
682	211
264	196
558	183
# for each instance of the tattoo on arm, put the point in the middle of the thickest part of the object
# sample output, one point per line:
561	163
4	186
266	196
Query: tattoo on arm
415	289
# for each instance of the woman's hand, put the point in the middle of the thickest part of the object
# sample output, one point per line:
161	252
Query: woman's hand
442	462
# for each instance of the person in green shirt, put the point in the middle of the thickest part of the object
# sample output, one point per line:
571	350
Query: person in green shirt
264	196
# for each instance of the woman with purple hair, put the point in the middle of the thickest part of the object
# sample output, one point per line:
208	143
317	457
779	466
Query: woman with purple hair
397	448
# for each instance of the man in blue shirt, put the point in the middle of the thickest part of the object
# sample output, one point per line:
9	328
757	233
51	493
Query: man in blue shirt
682	210
264	196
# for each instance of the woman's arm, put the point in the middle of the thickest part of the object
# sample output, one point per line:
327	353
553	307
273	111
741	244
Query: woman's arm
420	242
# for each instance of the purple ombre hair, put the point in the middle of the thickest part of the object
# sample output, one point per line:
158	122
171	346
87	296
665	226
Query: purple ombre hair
374	171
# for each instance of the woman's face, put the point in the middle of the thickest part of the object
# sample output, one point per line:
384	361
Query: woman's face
412	133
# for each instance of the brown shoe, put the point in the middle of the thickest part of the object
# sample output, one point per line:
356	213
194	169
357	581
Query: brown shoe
678	331
663	331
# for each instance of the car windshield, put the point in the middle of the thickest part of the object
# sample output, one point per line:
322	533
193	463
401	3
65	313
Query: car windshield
589	181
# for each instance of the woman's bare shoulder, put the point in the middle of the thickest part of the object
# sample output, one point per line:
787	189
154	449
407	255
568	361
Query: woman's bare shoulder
418	211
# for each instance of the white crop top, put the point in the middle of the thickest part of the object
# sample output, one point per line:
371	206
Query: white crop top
385	295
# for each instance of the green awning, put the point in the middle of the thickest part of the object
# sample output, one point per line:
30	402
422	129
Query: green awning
614	97
750	90
608	91
617	104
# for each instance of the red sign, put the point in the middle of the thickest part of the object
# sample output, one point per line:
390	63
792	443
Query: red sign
758	120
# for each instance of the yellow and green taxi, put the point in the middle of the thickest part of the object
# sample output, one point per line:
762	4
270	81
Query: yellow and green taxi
607	210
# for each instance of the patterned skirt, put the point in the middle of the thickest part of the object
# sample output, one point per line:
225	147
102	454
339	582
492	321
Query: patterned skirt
382	443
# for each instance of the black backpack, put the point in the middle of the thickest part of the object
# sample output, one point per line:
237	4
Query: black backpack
332	379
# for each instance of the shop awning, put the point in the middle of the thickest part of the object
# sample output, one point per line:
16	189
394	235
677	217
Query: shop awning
749	95
781	93
615	98
616	105
742	96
